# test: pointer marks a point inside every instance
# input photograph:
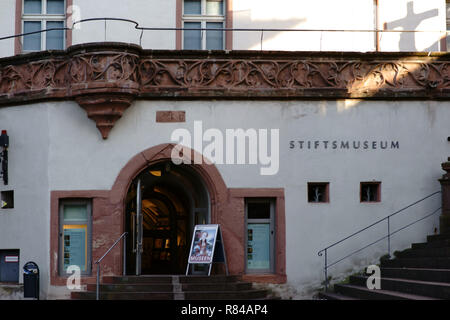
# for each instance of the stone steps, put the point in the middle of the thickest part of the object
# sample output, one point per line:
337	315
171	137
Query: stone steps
334	296
168	287
170	279
432	244
437	290
419	273
424	274
363	293
425	253
202	295
422	262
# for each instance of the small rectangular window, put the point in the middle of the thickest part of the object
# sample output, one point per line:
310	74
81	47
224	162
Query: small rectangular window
7	199
55	7
370	191
214	38
192	38
32	42
55	38
318	192
214	7
32	7
75	235
258	210
192	7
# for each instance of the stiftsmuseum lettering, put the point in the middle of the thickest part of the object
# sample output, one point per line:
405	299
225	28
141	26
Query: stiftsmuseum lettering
344	144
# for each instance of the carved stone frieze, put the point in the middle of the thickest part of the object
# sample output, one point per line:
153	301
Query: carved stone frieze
104	78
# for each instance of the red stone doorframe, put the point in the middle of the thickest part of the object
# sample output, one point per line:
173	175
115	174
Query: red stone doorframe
237	198
108	210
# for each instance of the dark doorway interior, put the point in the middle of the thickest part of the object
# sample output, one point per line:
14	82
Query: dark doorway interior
172	202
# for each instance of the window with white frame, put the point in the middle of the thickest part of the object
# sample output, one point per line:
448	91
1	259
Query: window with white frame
203	14
41	15
448	24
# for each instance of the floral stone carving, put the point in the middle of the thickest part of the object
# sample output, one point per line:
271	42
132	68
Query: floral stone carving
105	78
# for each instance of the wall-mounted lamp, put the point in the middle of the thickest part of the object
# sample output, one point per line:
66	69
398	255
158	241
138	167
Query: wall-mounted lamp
4	143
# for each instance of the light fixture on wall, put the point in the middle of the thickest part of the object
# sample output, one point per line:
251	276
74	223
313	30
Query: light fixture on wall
4	143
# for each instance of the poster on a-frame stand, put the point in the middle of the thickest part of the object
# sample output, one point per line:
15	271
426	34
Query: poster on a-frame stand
207	247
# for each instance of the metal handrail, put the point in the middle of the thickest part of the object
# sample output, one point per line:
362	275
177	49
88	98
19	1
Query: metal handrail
97	291
324	251
262	30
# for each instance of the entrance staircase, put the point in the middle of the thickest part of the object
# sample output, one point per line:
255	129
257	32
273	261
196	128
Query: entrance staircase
419	273
172	287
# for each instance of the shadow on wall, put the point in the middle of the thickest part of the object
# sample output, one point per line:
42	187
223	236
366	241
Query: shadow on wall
411	21
307	40
256	39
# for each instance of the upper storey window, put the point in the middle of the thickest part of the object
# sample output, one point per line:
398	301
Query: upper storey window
448	24
203	14
40	15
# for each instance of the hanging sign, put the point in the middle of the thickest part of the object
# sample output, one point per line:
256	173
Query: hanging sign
207	246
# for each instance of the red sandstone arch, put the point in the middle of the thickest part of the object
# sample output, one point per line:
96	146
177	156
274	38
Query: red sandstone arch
227	209
208	172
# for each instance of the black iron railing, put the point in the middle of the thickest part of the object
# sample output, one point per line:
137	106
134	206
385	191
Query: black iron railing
259	30
124	237
324	251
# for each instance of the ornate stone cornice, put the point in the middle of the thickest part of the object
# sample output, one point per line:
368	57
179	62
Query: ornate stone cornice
104	78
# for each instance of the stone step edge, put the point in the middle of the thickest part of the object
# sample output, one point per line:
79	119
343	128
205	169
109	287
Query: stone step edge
419	282
335	296
393	294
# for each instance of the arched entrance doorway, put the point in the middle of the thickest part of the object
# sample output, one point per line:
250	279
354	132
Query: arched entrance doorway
162	205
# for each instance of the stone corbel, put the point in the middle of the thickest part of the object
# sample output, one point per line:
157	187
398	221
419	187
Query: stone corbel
105	109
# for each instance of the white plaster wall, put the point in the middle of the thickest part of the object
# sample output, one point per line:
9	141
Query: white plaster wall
339	15
148	13
54	146
416	15
79	159
7	22
304	14
27	225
